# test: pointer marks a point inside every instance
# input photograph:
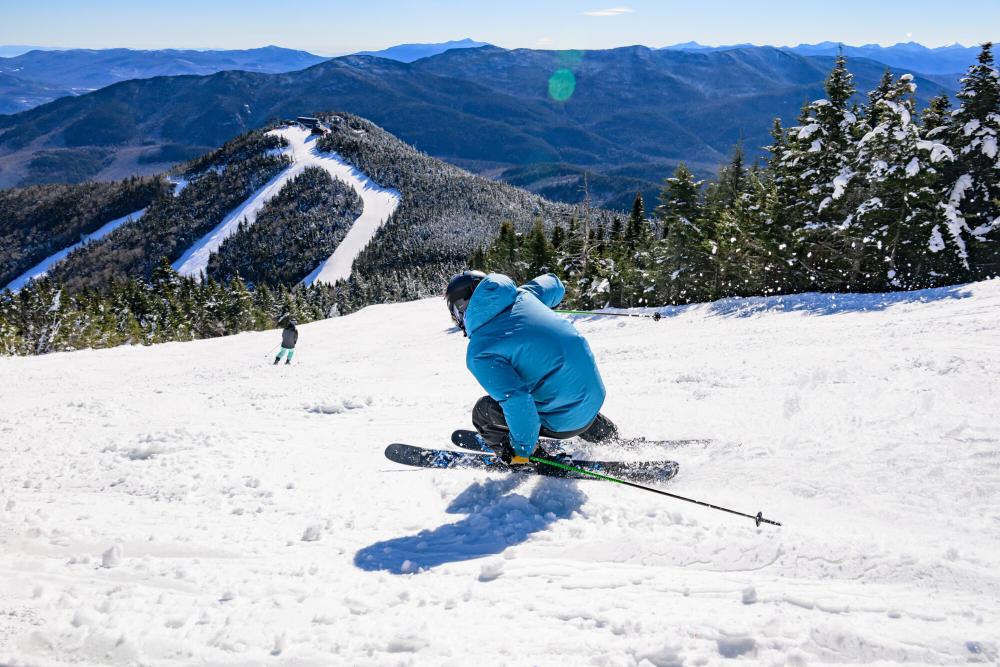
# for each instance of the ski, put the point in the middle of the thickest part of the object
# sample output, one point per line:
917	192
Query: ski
442	459
472	441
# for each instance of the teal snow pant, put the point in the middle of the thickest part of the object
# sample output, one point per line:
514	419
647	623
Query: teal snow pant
287	351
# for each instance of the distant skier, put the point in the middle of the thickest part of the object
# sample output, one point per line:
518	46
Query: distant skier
289	337
538	370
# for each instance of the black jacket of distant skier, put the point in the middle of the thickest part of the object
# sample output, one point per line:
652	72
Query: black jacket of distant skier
289	337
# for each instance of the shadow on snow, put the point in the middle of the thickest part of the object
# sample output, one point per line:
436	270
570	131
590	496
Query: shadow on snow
497	519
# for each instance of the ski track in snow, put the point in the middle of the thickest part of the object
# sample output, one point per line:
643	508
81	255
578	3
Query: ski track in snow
190	503
43	267
379	203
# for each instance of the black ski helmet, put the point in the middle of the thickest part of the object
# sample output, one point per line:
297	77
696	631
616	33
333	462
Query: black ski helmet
459	293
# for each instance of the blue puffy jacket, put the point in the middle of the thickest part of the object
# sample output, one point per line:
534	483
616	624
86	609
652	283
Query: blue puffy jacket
533	362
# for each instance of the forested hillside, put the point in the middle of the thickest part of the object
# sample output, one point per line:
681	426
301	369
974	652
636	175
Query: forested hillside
444	214
220	181
854	198
121	288
37	221
295	232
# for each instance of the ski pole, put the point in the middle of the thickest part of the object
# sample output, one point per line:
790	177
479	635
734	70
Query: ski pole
655	316
272	350
759	519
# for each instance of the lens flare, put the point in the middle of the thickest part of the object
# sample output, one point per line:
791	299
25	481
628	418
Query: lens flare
562	83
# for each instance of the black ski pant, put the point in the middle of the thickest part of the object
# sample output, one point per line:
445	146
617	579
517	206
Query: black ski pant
489	420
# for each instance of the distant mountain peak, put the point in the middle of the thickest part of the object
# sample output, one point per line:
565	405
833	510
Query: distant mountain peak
408	53
912	56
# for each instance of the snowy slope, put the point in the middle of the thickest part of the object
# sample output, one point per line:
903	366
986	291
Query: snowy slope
379	203
154	501
43	267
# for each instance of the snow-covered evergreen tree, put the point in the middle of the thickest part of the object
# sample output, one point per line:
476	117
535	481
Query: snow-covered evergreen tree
821	150
679	200
786	209
682	263
896	245
972	204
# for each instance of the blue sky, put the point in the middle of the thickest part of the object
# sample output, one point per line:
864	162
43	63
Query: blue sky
336	26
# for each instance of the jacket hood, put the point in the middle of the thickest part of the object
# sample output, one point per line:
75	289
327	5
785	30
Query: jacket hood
494	294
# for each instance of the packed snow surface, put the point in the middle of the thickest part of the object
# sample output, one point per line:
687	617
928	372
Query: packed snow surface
379	203
42	268
190	503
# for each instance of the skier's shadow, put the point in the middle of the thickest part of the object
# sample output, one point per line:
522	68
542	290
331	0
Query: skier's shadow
497	519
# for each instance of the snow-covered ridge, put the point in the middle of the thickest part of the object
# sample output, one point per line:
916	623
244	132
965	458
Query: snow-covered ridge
189	502
43	267
379	203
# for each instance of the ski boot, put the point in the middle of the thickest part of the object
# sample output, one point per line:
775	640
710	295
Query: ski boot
557	455
509	457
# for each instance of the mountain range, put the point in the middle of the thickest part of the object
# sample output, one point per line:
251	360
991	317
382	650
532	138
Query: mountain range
536	118
48	74
31	76
951	59
45	73
11	50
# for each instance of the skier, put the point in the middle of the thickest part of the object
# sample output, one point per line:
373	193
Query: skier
538	371
289	337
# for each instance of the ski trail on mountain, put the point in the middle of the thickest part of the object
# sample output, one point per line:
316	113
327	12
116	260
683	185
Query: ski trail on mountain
379	203
42	268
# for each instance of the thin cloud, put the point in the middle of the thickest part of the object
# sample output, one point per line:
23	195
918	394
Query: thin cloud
613	11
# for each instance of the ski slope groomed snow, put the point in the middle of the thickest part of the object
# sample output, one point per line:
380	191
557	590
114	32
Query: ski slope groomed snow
42	268
191	504
379	203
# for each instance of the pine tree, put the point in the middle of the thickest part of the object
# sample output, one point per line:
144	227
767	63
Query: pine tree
820	156
558	237
540	258
504	255
823	149
680	199
683	266
972	207
11	341
947	261
874	110
786	213
936	118
899	212
41	312
478	260
731	180
637	227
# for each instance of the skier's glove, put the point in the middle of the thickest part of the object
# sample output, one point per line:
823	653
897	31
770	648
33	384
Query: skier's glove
509	456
